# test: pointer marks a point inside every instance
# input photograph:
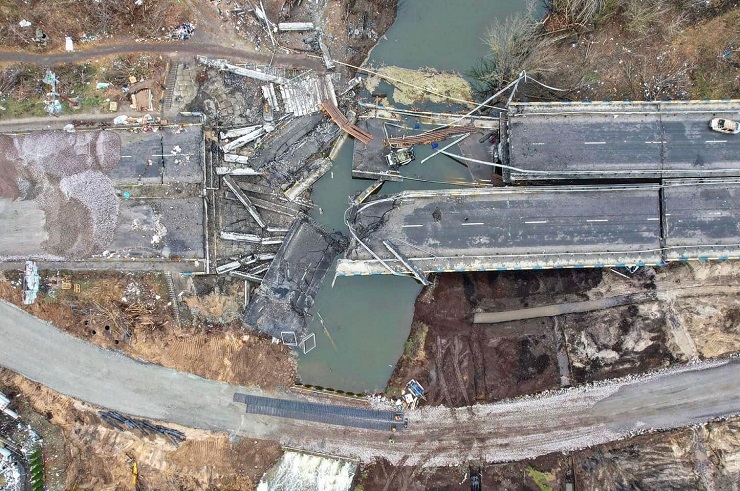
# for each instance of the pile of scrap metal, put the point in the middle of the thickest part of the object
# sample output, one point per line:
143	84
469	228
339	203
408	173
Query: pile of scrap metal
250	268
31	281
4	403
120	422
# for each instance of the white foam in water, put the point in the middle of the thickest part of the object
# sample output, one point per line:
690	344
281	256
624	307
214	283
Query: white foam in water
301	472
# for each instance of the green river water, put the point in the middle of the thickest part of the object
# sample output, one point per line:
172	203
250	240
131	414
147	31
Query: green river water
368	318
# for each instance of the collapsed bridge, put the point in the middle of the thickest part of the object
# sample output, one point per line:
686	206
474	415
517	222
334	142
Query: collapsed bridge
514	228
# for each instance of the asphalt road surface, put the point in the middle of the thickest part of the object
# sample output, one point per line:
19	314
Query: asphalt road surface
494	432
621	140
702	216
514	228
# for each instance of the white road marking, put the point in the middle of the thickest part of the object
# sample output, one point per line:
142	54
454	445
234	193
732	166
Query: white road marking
411	226
716	141
472	223
537	143
537	221
126	156
598	220
654	142
594	143
653	219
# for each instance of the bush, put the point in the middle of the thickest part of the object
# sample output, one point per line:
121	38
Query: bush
516	44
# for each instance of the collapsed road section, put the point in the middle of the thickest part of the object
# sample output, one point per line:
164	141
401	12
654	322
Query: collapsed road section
288	289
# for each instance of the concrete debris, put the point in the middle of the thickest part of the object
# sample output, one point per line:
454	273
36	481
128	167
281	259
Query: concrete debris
230	266
317	168
245	72
296	26
237	132
291	283
249	137
237	171
268	92
303	95
236	159
243	199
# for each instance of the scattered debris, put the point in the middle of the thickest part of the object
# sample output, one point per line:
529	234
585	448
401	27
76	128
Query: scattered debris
31	281
121	423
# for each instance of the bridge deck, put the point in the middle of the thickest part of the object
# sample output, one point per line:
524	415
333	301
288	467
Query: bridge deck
553	227
701	219
619	140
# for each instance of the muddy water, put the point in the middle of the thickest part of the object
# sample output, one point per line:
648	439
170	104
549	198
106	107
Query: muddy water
442	34
366	320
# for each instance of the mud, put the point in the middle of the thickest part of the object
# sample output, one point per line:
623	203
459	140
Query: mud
699	458
663	461
693	315
519	476
616	342
463	363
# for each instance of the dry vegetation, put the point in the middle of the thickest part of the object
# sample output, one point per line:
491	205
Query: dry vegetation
101	19
131	312
609	49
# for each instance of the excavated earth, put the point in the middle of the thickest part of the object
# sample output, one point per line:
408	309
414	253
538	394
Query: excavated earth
703	458
690	313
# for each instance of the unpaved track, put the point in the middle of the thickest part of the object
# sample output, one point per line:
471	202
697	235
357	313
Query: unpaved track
174	48
494	432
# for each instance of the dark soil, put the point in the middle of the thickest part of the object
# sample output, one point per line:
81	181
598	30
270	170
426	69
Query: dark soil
650	462
460	363
517	476
463	363
613	333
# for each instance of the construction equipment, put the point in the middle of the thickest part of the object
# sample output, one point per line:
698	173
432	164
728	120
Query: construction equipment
134	471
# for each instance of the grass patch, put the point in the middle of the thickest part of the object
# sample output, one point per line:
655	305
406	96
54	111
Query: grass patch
413	348
543	480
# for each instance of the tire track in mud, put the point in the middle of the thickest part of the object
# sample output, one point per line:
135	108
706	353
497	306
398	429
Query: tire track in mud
456	362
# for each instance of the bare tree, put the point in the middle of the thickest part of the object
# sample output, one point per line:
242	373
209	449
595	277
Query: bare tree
516	44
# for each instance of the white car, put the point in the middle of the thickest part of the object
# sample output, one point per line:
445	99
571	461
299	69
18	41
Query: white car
725	126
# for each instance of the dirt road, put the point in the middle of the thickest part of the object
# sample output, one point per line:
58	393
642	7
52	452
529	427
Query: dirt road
211	50
493	432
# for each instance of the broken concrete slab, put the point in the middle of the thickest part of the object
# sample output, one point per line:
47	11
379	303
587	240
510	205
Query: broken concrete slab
290	285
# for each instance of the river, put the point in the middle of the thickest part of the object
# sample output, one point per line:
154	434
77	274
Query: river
366	320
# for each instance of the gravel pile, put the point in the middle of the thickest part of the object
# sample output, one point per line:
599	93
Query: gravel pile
64	173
